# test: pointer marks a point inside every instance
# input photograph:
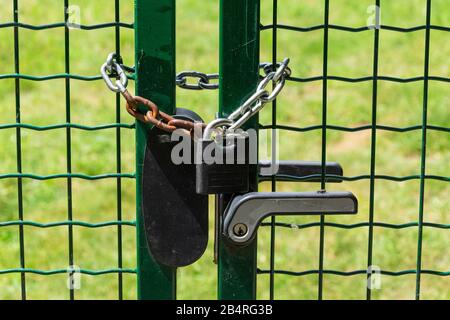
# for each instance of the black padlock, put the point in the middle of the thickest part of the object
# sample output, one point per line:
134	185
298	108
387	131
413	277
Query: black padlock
223	164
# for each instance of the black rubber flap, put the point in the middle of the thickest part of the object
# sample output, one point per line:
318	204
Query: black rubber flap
175	216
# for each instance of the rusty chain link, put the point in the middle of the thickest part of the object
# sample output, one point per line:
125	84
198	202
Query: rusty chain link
156	117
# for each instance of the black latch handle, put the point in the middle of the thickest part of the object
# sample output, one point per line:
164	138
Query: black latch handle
246	212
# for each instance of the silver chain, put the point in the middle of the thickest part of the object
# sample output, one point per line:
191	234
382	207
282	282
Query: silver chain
113	68
204	79
255	102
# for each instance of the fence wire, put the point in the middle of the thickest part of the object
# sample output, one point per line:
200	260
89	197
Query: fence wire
323	127
373	127
21	221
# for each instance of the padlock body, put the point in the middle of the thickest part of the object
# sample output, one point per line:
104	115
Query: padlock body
224	167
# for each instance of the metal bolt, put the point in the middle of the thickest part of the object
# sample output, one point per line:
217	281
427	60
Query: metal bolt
240	229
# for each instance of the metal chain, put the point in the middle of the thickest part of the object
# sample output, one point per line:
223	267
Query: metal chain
277	74
112	69
256	101
203	82
204	79
161	120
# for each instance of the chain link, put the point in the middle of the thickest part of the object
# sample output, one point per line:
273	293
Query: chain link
203	82
112	69
268	67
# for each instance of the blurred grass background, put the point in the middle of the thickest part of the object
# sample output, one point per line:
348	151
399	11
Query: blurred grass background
350	55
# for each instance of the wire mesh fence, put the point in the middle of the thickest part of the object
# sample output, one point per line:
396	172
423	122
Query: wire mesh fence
321	277
401	227
24	222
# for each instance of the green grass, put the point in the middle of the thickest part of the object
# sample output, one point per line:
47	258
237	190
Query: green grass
350	54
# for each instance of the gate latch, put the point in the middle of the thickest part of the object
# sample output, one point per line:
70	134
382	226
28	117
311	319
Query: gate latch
245	213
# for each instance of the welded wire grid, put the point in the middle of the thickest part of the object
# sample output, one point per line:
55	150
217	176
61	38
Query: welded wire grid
21	221
19	175
375	78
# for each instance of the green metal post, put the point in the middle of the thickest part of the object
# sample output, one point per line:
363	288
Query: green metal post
155	80
239	75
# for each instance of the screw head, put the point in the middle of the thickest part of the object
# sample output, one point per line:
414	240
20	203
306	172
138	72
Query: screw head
240	229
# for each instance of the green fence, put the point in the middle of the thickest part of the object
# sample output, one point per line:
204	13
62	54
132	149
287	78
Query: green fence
376	29
23	177
402	213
